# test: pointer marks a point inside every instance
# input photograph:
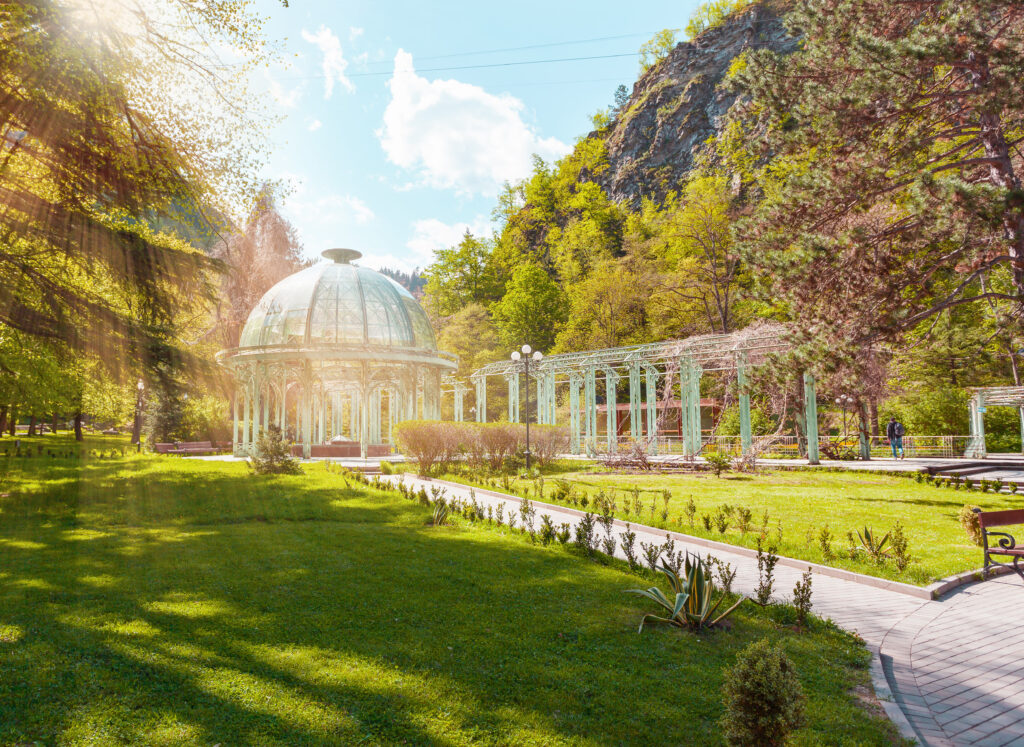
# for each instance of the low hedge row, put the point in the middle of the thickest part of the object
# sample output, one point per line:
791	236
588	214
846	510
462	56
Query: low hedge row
437	444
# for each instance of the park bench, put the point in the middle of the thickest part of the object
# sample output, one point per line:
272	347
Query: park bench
1006	545
188	447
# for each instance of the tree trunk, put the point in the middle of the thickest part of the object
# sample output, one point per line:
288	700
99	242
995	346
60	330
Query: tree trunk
53	425
12	424
3	419
876	431
32	425
137	422
78	426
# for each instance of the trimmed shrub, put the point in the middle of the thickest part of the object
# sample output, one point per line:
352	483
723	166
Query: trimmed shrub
421	440
763	699
437	444
547	441
499	441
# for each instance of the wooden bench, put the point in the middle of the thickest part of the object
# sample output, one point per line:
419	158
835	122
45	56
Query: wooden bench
188	447
1006	545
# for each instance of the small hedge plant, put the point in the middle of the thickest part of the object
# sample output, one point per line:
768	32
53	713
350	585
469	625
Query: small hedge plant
435	445
763	699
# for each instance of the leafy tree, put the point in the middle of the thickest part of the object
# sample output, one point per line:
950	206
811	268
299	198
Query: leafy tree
92	155
602	118
621	98
894	192
608	307
711	14
471	334
264	252
462	275
532	309
657	48
691	237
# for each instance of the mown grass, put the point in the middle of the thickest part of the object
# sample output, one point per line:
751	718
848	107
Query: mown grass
150	600
803	502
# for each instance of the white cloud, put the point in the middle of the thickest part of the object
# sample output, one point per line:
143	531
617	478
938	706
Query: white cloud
430	234
315	125
286	98
456	135
323	220
334	62
354	32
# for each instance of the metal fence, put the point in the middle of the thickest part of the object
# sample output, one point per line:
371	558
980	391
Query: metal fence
787	447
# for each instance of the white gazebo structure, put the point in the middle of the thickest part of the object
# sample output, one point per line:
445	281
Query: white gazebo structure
335	355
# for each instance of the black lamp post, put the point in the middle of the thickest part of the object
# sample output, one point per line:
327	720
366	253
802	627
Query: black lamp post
525	356
844	401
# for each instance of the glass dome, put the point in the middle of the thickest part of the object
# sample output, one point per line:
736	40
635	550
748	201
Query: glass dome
338	303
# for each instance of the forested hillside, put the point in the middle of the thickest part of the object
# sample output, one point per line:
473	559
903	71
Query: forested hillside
750	176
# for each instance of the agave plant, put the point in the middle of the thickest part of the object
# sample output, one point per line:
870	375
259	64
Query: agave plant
441	511
691	607
872	545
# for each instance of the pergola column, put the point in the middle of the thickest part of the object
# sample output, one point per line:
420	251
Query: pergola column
652	409
245	418
460	404
689	396
575	380
481	398
323	417
364	421
590	408
542	398
611	380
746	437
976	448
635	402
284	402
551	399
513	396
811	415
235	446
394	400
265	390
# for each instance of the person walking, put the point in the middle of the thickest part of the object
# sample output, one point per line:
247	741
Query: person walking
894	432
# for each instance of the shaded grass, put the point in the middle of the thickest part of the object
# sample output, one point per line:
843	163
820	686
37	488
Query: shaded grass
166	601
804	501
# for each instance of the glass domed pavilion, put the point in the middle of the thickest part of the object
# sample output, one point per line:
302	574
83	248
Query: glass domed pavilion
348	351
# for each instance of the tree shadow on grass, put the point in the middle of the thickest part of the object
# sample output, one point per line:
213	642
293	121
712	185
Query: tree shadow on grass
337	620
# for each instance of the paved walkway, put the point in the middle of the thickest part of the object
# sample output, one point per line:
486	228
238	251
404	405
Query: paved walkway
948	672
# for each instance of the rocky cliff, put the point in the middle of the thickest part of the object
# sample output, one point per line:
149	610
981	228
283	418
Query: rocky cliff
678	104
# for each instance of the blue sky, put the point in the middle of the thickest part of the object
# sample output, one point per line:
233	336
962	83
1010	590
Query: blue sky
391	151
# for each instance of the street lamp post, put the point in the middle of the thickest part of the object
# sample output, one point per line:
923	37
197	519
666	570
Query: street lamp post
525	357
844	401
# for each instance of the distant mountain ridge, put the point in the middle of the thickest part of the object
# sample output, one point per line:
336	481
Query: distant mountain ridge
677	106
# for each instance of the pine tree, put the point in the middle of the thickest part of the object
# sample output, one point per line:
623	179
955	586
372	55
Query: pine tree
891	164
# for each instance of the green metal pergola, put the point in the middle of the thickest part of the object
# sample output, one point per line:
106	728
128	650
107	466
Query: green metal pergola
645	369
983	398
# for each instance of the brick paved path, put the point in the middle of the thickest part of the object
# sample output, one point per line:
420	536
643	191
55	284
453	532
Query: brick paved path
955	667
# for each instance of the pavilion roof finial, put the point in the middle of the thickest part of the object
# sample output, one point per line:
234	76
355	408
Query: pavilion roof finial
342	256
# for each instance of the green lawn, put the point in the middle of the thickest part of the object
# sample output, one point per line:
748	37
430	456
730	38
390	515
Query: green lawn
166	601
804	501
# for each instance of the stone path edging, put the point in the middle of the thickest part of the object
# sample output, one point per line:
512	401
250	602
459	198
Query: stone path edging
947	667
899	587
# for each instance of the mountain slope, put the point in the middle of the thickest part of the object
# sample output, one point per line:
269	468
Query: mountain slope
677	105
